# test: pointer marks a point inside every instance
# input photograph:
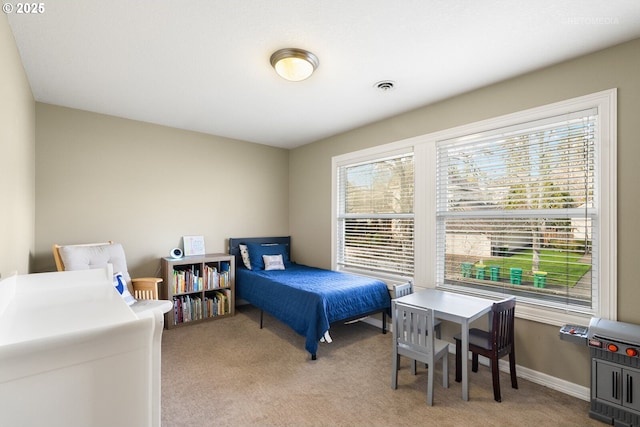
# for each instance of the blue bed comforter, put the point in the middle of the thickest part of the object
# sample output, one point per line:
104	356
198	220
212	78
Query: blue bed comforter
308	299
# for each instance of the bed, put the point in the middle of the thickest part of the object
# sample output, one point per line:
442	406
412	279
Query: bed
308	299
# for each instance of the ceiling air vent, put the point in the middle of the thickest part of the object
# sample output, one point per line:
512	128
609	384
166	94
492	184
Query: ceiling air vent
385	85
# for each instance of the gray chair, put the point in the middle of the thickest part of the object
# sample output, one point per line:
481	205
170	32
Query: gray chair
409	340
406	289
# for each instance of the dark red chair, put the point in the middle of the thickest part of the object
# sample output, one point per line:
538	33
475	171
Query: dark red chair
494	344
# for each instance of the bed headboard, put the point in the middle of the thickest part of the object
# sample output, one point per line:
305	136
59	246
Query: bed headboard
235	241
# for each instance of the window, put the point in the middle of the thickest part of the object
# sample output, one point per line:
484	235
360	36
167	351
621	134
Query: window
523	204
516	211
374	232
521	208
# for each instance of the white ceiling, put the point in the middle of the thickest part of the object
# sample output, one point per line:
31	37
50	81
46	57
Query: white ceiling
203	65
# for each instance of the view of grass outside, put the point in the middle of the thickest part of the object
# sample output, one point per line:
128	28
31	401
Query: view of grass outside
563	268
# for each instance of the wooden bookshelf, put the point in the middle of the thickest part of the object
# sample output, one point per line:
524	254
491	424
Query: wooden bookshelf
201	288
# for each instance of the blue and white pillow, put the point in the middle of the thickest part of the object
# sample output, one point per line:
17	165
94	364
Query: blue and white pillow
121	286
273	262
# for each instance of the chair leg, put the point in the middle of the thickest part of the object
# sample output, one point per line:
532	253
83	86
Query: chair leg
445	371
394	371
495	374
474	362
512	369
459	361
414	367
430	385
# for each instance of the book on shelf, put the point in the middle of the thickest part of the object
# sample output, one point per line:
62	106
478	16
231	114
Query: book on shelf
223	296
215	279
187	280
188	308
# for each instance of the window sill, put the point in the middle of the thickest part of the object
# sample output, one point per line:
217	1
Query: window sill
556	316
550	316
390	279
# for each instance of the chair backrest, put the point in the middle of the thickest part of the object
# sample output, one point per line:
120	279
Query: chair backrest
403	289
92	255
502	326
409	326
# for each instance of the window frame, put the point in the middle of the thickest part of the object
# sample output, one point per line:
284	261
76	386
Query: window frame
424	149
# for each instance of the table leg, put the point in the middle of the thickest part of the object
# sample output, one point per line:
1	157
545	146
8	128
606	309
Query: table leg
465	360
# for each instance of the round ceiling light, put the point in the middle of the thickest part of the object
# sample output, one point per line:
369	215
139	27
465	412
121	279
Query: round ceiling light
294	64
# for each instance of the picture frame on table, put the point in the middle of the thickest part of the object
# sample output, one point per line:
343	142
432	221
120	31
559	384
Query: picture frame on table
193	245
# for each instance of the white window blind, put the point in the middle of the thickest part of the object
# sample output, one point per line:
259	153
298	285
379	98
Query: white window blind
517	211
375	218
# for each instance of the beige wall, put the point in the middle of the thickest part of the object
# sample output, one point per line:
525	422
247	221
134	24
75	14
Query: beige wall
104	178
17	153
538	346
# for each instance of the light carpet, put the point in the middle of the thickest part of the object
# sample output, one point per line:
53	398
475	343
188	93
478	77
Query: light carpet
229	372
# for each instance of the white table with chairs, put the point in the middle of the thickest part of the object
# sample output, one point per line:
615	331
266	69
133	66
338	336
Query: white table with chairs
458	308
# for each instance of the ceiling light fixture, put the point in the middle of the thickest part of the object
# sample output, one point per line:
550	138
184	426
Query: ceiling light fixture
294	64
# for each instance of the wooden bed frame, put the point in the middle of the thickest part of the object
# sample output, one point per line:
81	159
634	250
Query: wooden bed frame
286	241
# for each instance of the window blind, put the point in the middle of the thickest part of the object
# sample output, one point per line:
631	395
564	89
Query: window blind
516	210
375	216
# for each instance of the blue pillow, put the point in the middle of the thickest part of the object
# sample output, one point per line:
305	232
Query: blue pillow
256	251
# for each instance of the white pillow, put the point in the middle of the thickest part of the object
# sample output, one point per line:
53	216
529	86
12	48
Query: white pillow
121	286
244	252
273	262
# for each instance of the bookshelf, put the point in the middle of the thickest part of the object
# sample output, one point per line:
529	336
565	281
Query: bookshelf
201	288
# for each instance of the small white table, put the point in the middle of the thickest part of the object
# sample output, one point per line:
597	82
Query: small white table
458	308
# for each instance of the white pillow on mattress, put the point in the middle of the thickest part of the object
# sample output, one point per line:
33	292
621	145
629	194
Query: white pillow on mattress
244	252
273	262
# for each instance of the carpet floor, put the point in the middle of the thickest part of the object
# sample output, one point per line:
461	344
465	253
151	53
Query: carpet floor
229	372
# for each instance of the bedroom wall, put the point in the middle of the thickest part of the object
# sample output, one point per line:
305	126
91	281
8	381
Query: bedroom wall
619	67
105	178
17	154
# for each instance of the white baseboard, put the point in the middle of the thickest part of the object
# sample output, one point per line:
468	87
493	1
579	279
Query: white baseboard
572	389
